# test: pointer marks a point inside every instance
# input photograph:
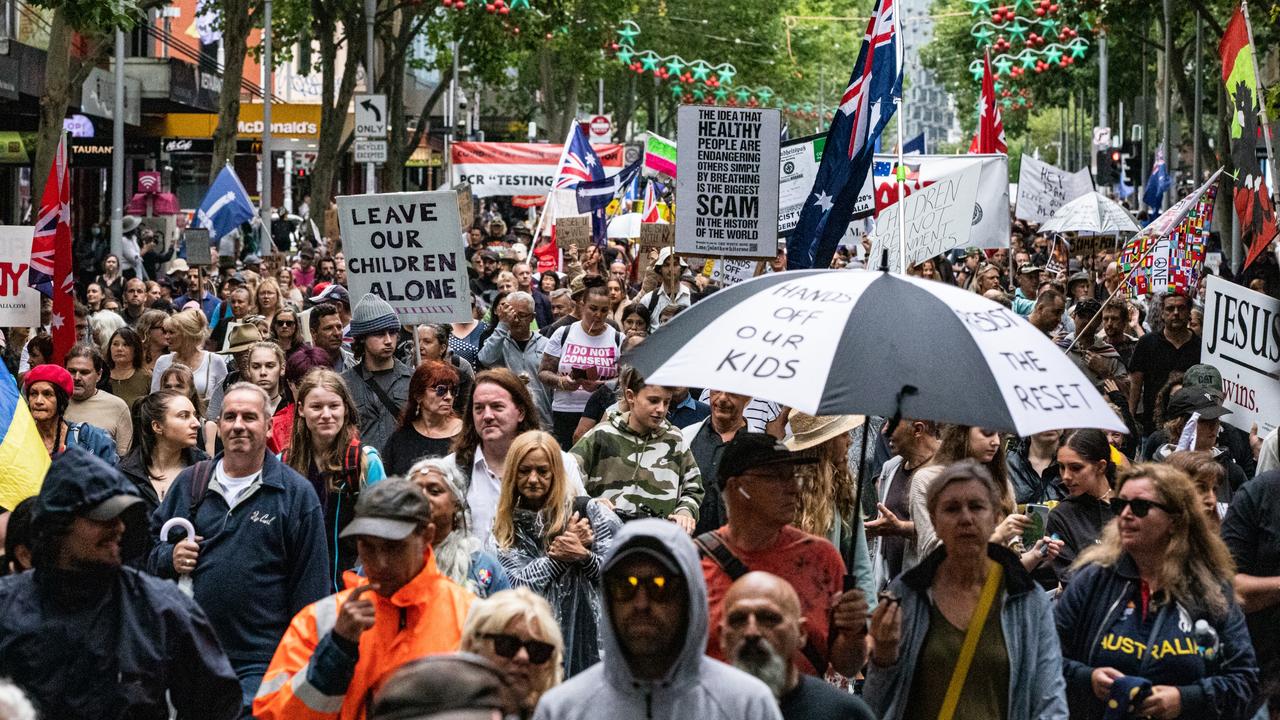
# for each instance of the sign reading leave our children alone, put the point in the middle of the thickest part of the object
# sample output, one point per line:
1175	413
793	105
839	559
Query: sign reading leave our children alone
727	184
407	249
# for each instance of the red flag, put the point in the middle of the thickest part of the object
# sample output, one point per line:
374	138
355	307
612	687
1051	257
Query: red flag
51	254
990	137
650	214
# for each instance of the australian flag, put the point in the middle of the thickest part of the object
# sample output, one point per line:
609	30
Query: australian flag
597	194
578	162
225	206
865	108
1158	184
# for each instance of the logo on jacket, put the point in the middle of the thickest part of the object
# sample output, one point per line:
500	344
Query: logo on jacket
261	517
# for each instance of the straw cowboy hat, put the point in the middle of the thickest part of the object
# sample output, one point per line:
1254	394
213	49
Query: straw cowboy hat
240	337
808	431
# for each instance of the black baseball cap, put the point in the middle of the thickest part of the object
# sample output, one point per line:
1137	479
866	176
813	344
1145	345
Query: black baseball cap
1197	398
391	510
753	449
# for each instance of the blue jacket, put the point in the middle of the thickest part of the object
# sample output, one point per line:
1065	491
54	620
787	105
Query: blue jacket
94	439
1093	601
259	564
1036	689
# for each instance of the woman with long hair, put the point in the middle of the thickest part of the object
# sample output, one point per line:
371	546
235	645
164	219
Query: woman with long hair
553	543
166	437
459	555
325	448
125	378
112	277
1088	473
1149	622
1207	474
155	341
971	593
268	298
178	377
985	278
618	300
516	631
635	320
187	332
289	291
958	442
93	296
428	423
286	330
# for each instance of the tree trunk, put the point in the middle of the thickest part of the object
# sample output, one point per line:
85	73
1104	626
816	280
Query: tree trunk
235	44
335	97
393	78
53	104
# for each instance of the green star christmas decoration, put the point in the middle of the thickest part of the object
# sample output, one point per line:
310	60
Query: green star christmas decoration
624	55
1022	37
726	73
1003	65
1049	26
675	66
980	7
1018	31
1028	59
1052	54
1078	48
701	71
650	61
721	94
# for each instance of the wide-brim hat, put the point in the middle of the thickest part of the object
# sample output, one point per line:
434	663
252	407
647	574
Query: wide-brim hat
130	223
809	431
240	337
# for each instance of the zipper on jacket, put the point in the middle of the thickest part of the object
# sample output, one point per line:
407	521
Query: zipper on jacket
1107	619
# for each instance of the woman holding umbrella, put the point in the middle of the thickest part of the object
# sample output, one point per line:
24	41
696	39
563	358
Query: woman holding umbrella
970	614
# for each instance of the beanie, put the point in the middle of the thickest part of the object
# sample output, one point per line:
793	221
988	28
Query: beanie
372	314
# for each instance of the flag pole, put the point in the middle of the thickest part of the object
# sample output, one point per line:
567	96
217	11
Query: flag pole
537	230
1262	105
901	173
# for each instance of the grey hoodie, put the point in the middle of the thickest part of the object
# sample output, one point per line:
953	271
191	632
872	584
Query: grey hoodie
695	687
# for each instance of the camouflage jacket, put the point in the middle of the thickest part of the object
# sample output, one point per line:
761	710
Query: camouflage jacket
644	476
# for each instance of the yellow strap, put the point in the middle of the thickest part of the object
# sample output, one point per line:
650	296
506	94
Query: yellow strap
979	620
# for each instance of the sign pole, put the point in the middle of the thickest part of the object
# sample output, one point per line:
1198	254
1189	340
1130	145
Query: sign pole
268	77
370	10
901	171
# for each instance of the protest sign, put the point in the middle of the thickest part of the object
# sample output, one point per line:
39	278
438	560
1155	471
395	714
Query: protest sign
655	235
407	249
19	302
991	204
196	242
732	272
1242	340
510	169
574	230
1088	245
725	188
1171	263
1043	188
798	163
466	205
938	218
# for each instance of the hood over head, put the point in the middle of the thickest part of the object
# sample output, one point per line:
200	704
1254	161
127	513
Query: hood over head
663	537
78	483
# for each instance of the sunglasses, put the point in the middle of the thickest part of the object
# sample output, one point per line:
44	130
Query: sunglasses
659	588
508	645
287	323
442	390
1139	506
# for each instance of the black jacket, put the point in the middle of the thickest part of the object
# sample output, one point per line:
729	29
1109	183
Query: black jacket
1089	608
1078	522
135	470
1030	486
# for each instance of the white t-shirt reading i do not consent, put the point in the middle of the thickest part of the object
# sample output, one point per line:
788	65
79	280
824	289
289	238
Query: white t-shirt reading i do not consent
597	355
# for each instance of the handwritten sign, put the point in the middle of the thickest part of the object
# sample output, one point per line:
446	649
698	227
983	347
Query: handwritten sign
466	207
938	218
655	235
726	186
1242	340
1043	188
573	230
19	302
407	249
196	241
732	272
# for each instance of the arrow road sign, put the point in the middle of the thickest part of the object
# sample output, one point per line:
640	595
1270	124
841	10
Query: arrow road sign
371	116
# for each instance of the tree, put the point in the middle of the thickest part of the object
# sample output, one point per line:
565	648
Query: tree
65	68
236	18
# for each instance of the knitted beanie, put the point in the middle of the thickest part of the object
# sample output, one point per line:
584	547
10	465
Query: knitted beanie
372	314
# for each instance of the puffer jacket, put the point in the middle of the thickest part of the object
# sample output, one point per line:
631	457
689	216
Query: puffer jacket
695	686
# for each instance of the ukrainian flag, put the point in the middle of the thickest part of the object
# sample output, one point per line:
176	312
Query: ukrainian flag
23	457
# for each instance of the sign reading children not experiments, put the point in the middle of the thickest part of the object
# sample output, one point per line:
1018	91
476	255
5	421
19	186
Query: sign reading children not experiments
407	249
727	181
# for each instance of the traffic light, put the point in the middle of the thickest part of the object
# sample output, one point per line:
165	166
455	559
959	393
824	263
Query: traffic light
1106	175
1131	152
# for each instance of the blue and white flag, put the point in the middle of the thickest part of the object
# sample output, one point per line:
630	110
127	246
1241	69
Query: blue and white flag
864	110
224	207
596	194
1159	183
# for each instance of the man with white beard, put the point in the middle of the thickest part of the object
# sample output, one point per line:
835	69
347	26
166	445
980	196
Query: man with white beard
761	630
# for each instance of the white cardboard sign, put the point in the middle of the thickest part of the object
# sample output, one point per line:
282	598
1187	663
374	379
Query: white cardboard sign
725	186
19	302
407	248
1043	188
938	218
1242	340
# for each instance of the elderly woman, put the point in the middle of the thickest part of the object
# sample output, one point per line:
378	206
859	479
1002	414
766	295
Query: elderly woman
554	543
516	631
47	390
458	555
187	332
1150	620
971	615
428	424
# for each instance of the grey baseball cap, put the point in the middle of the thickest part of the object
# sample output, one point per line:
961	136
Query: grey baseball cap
391	510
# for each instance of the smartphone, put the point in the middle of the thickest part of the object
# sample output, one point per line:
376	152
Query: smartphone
1034	530
578	373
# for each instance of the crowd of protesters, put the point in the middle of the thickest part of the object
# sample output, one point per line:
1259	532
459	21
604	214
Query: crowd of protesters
269	498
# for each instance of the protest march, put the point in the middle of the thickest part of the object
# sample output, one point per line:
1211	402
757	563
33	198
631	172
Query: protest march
532	360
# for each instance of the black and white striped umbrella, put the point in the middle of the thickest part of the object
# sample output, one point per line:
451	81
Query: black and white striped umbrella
834	342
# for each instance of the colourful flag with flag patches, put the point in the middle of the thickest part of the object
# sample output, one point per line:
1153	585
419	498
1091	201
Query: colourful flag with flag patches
23	457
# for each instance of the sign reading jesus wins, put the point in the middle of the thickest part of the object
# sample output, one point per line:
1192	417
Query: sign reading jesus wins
407	249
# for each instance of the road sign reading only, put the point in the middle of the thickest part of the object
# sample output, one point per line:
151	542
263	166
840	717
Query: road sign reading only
371	116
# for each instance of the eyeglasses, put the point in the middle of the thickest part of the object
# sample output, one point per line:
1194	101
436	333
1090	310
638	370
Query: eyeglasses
442	390
508	646
1139	506
658	588
287	323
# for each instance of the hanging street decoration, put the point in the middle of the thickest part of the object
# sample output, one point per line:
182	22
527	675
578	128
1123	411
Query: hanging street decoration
1026	38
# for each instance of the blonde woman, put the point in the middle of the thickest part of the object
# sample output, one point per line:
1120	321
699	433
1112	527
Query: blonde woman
516	631
325	448
268	299
1136	600
187	332
155	341
289	291
554	543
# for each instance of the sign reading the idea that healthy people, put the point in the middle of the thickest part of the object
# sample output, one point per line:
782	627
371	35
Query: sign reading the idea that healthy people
725	185
19	302
1242	340
407	249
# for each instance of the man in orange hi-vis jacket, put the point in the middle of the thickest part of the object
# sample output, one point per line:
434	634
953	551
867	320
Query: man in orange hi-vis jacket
339	650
